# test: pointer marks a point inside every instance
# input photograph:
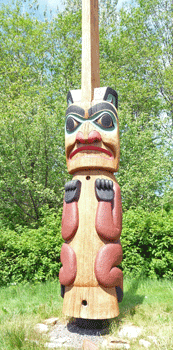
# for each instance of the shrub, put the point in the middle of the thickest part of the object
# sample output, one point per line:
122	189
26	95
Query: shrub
31	254
147	241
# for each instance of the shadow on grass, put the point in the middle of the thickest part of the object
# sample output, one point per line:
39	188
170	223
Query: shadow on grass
131	299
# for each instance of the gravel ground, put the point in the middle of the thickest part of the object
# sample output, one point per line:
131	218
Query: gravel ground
73	334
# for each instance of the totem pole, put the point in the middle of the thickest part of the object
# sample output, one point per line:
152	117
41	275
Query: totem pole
91	282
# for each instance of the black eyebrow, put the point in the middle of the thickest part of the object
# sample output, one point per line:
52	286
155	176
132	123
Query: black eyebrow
100	107
75	109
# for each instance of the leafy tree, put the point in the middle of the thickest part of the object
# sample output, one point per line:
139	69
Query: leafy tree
147	239
28	254
135	54
32	168
41	61
136	58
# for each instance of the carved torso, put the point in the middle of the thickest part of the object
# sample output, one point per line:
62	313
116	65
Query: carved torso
92	215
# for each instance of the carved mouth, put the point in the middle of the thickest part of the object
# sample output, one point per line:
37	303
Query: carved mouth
90	148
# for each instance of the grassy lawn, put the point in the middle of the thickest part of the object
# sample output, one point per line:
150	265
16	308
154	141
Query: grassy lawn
147	304
21	307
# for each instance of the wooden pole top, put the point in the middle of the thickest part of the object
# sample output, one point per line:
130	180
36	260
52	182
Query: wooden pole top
90	50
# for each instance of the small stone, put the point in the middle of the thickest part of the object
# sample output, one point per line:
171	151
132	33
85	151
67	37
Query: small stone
41	328
115	343
89	345
151	337
145	343
63	340
56	343
130	332
51	321
51	345
104	343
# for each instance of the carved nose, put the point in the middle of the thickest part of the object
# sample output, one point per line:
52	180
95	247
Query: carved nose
94	136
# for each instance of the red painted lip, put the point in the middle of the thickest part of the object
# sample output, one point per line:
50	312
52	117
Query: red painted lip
90	148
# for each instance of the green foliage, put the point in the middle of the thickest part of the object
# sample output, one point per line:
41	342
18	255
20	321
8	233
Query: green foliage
28	254
40	62
147	241
135	58
32	107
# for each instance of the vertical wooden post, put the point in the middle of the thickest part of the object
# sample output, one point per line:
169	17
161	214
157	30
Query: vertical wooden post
91	222
90	49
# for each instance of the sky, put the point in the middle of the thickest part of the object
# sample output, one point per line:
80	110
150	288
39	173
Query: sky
52	4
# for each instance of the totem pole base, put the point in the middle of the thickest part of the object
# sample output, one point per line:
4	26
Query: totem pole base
90	302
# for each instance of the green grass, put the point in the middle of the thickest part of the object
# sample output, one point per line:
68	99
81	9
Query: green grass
21	308
146	303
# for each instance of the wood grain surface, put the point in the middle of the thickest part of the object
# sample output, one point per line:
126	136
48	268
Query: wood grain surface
90	51
86	298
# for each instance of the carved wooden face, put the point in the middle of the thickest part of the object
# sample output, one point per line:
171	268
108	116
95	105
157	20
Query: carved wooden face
92	135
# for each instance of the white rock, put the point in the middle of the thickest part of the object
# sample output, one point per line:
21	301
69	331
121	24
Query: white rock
130	331
58	343
63	340
51	345
41	328
151	337
51	321
145	343
53	338
104	343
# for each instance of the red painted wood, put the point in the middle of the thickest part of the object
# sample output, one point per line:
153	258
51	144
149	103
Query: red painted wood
107	274
90	148
93	136
109	217
70	220
68	271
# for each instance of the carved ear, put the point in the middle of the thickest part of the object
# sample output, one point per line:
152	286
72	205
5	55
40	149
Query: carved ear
69	99
111	96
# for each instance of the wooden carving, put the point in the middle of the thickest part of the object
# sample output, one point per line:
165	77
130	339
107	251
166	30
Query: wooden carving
92	284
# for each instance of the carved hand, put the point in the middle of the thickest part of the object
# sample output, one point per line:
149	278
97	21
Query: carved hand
104	190
72	191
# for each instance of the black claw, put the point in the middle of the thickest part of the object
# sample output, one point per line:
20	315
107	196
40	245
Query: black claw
72	191
98	183
75	183
102	183
104	190
119	293
62	290
111	184
107	184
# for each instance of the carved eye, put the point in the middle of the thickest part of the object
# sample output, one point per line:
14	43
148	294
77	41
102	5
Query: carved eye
105	121
71	124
